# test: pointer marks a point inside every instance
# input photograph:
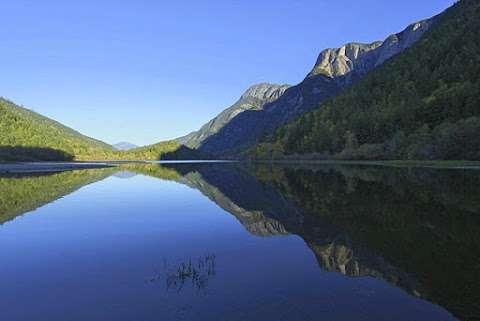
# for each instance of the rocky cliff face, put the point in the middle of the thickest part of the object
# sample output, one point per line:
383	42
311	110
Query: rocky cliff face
263	92
243	124
253	99
360	58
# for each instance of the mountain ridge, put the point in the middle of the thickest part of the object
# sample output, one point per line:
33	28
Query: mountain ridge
254	98
362	57
334	70
422	105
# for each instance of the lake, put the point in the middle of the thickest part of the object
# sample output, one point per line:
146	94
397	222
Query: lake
213	241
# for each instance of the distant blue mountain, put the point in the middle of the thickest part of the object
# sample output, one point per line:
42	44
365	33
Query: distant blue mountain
124	146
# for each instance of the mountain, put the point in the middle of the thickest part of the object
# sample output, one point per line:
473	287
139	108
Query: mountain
357	59
336	69
423	104
167	150
124	146
26	135
253	99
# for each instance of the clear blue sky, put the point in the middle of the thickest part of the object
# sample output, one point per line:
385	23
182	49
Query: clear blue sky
144	71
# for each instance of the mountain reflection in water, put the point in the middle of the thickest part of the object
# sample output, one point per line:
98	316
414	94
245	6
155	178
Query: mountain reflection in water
417	229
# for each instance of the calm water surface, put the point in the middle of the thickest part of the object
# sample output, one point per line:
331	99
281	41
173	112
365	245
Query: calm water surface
226	242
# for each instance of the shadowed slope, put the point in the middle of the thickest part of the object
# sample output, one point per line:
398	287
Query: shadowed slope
22	153
254	99
335	70
424	104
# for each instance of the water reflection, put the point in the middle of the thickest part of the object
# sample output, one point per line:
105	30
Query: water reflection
423	222
21	193
417	229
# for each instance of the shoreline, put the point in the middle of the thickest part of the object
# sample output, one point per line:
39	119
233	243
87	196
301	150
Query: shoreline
56	166
52	167
49	167
441	164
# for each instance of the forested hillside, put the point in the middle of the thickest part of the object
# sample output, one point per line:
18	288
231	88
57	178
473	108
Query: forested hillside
335	69
29	136
167	150
26	135
422	104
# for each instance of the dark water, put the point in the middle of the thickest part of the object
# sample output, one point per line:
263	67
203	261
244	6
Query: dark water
229	242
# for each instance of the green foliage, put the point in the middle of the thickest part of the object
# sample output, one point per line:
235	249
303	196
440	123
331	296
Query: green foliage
26	135
269	151
422	104
169	150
